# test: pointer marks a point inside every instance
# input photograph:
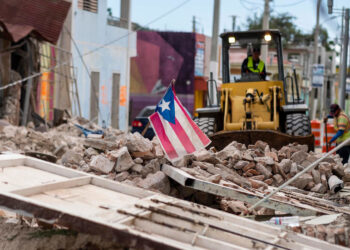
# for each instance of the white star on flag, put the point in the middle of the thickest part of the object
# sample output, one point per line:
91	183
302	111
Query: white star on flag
164	105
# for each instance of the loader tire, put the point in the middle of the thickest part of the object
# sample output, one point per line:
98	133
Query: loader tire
206	124
298	124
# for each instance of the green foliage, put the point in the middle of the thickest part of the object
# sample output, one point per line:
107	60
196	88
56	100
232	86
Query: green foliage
291	35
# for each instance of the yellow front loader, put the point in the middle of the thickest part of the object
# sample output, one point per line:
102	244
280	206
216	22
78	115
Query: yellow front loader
248	108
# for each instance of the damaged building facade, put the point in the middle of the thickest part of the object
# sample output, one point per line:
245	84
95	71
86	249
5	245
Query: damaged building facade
78	58
22	37
101	47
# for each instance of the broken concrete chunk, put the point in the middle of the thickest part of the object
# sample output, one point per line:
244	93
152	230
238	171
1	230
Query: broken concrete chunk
263	170
157	181
273	155
250	165
325	168
260	145
137	143
152	166
237	206
137	168
269	181
138	161
278	179
102	164
90	152
122	158
302	181
319	188
299	157
338	170
215	178
285	165
346	174
71	157
293	169
121	176
316	175
265	160
310	185
240	164
257	184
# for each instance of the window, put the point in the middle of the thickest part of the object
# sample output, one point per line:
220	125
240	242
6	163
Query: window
88	5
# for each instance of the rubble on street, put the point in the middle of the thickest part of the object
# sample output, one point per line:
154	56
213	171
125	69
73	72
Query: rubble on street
135	160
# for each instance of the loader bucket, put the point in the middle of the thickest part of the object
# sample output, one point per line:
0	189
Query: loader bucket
275	139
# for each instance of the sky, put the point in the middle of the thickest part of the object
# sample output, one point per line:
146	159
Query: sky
147	13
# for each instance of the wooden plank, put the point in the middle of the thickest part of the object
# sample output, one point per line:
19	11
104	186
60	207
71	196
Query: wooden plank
183	236
207	231
9	160
121	187
52	186
52	167
248	232
88	200
184	207
49	213
18	177
189	181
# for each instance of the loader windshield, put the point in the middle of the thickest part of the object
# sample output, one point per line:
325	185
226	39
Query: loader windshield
252	56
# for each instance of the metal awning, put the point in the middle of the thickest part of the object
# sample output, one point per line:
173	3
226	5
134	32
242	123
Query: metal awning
42	19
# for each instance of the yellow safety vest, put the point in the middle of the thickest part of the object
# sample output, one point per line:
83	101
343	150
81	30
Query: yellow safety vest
342	122
250	65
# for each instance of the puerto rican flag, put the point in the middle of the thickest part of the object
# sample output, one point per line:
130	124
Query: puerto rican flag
175	129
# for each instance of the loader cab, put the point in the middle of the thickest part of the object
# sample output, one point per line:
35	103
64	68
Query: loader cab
240	45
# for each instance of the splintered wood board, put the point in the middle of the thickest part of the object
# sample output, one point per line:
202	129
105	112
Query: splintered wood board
131	216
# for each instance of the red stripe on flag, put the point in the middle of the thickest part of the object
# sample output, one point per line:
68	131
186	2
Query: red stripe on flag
183	137
165	142
204	139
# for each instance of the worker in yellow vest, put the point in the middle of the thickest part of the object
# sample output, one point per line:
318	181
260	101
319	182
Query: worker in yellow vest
254	64
342	127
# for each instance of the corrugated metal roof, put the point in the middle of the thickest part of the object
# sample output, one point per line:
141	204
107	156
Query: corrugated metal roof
41	18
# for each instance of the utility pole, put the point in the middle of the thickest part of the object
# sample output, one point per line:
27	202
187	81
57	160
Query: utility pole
214	46
315	92
233	22
344	60
125	13
265	26
194	24
317	32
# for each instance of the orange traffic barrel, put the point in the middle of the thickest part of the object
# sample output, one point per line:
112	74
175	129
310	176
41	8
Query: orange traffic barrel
316	131
330	133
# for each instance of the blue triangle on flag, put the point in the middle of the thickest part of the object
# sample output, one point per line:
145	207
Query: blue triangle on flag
166	106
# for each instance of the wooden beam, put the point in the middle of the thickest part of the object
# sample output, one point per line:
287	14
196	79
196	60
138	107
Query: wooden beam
52	186
120	187
52	167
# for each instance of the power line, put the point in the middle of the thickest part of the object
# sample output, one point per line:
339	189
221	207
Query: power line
152	21
247	8
290	4
94	50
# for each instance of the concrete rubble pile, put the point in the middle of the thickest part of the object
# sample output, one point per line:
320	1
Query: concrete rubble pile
130	158
135	160
259	166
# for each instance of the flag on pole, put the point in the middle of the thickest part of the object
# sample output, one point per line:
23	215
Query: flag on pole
176	131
